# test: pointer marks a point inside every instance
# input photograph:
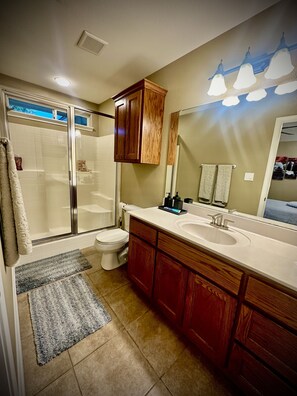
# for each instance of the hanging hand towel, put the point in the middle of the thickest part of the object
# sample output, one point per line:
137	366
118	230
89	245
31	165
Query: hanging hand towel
207	183
14	226
222	187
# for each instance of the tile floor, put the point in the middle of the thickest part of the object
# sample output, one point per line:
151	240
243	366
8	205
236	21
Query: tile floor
137	353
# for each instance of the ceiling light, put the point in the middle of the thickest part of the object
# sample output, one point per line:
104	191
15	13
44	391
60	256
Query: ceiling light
286	88
254	96
245	77
281	63
231	101
62	81
217	85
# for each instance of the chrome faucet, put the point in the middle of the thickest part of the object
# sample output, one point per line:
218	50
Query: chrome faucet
219	221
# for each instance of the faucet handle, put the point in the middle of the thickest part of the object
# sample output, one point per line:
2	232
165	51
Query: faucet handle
225	223
213	218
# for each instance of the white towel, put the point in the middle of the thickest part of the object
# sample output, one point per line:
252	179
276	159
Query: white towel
14	226
222	187
207	180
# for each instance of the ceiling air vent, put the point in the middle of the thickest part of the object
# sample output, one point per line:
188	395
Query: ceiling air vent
91	43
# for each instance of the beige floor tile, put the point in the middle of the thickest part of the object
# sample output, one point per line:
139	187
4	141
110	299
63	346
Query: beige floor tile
117	368
38	377
108	281
94	260
159	390
156	340
66	385
127	303
88	250
192	375
89	344
24	316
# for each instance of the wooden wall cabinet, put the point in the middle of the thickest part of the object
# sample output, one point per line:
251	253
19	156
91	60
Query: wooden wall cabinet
139	113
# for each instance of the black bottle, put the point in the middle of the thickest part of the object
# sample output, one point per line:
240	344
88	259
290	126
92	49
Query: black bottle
177	202
168	201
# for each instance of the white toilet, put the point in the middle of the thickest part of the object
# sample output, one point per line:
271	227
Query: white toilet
113	244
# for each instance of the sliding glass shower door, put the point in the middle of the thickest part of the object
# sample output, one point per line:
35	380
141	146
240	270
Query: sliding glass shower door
65	165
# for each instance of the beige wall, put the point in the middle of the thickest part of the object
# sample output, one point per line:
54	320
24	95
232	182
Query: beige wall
187	82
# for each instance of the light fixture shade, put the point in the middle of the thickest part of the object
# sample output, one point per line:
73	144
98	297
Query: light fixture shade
256	95
245	77
231	101
286	88
217	85
281	63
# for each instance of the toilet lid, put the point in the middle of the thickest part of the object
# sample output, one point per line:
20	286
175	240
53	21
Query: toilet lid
111	236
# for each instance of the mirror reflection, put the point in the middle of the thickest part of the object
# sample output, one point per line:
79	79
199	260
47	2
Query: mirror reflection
249	136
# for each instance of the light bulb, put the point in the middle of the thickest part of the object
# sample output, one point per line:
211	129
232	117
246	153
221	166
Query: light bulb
254	96
231	101
280	64
286	88
62	81
217	85
245	77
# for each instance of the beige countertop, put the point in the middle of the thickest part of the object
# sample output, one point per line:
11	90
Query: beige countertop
266	256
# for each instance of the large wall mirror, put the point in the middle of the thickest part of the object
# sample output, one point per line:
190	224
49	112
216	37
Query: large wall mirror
250	136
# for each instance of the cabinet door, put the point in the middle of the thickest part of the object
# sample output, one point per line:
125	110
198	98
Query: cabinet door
133	126
120	130
269	341
141	262
254	377
170	286
209	316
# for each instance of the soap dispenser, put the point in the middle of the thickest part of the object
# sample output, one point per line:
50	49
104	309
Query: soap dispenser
168	201
177	202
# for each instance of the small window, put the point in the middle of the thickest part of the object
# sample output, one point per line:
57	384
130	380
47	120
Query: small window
52	113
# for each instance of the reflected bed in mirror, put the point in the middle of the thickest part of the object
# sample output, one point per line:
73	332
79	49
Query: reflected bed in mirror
250	135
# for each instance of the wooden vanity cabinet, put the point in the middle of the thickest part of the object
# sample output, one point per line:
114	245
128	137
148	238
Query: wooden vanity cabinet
139	113
170	287
141	255
208	310
264	357
209	317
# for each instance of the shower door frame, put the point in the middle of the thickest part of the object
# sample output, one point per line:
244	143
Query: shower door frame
71	143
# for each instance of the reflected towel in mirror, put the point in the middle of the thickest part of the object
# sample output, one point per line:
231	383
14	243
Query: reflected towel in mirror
207	180
222	187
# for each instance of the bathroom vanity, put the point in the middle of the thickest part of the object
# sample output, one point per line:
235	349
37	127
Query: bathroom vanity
226	295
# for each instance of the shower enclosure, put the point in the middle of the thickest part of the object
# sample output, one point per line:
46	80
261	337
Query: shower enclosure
64	157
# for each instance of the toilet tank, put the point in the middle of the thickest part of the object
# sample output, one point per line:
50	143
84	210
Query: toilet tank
127	209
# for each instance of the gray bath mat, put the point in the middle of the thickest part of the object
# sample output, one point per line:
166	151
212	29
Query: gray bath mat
42	272
62	314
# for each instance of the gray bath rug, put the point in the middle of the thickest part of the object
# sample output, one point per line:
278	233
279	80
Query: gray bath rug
62	314
42	272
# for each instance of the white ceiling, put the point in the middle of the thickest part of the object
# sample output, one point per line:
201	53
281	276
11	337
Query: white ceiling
38	38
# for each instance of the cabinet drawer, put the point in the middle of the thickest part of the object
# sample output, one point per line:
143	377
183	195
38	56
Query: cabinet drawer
276	303
143	231
214	269
254	377
270	341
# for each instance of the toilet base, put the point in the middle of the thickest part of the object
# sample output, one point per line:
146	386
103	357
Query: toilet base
110	261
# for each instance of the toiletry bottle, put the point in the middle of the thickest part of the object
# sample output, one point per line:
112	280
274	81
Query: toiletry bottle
168	201
177	202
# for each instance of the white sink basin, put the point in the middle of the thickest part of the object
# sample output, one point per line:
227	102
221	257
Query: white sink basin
213	234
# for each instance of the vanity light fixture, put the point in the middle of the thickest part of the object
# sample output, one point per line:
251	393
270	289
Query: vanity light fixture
277	64
245	77
217	85
281	63
231	101
286	88
62	81
256	95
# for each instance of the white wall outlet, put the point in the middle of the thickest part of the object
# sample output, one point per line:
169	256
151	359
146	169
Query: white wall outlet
249	176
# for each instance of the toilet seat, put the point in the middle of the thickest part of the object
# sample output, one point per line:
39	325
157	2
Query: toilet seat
112	236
